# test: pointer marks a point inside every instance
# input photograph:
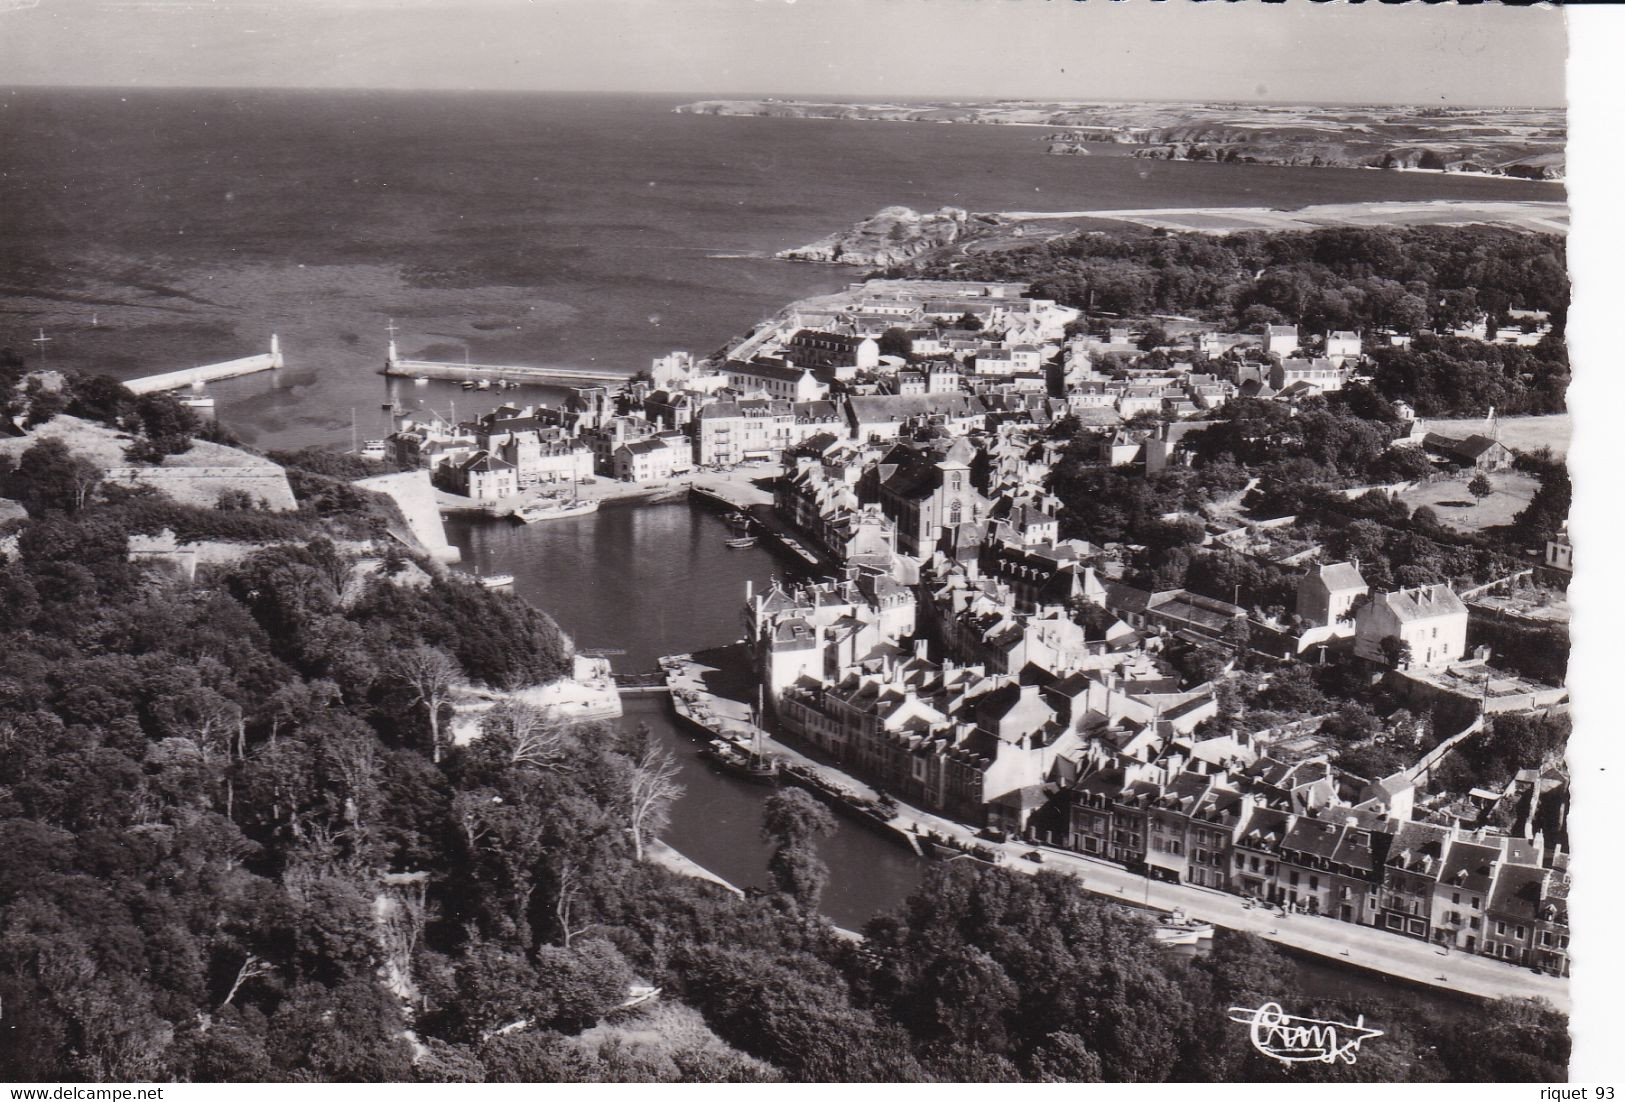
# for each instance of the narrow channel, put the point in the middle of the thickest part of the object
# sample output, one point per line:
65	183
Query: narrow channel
646	580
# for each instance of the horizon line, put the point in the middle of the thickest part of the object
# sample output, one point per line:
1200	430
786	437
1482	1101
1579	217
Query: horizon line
835	97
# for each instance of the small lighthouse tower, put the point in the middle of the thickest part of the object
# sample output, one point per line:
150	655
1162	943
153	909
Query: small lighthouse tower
276	352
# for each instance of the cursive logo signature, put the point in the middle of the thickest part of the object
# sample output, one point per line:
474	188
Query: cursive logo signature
1299	1040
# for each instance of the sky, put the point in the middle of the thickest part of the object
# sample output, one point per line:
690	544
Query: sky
1061	49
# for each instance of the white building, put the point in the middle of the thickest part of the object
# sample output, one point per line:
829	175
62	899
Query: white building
1280	340
1430	620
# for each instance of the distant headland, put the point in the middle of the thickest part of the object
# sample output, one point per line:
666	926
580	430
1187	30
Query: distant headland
1521	142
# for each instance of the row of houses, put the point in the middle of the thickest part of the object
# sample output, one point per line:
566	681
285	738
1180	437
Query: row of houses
1083	743
1298	834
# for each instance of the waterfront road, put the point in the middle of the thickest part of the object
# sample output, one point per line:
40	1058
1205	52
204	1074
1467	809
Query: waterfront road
1363	946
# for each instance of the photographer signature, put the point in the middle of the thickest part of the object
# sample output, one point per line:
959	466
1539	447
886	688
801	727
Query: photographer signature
1294	1040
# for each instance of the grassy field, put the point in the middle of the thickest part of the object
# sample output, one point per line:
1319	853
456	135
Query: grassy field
1462	511
1518	433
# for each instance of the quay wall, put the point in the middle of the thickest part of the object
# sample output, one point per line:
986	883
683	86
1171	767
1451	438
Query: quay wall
557	376
208	373
414	494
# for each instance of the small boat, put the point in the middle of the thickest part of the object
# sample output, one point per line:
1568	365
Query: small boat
199	402
1172	936
760	768
374	449
1179	925
494	581
483	384
469	384
740	542
554	509
421	380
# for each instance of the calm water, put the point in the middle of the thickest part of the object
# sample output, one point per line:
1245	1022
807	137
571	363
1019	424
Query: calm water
655	580
537	228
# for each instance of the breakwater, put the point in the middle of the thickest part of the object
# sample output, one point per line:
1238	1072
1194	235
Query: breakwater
506	373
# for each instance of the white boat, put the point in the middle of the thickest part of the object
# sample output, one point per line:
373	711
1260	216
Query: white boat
1179	925
483	384
199	402
1167	935
494	581
553	509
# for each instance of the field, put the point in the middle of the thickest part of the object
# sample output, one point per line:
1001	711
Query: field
1462	511
1532	216
1518	433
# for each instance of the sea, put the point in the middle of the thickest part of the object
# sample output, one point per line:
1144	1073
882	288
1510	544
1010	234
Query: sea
145	231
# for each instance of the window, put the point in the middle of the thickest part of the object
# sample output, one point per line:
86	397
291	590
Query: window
1314	883
1501	929
1293	877
1455	897
1475	901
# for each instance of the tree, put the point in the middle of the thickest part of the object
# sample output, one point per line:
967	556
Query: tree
1396	652
523	735
792	821
652	790
49	476
896	342
429	675
1481	487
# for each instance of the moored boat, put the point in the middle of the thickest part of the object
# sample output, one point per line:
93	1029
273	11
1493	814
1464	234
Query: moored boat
494	581
1167	935
534	511
1182	924
739	542
761	768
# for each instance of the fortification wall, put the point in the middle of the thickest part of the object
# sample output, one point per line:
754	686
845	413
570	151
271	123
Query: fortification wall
202	486
413	493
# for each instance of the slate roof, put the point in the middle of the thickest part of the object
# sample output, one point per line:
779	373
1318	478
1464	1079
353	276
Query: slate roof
900	407
1423	603
1340	575
1471	447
